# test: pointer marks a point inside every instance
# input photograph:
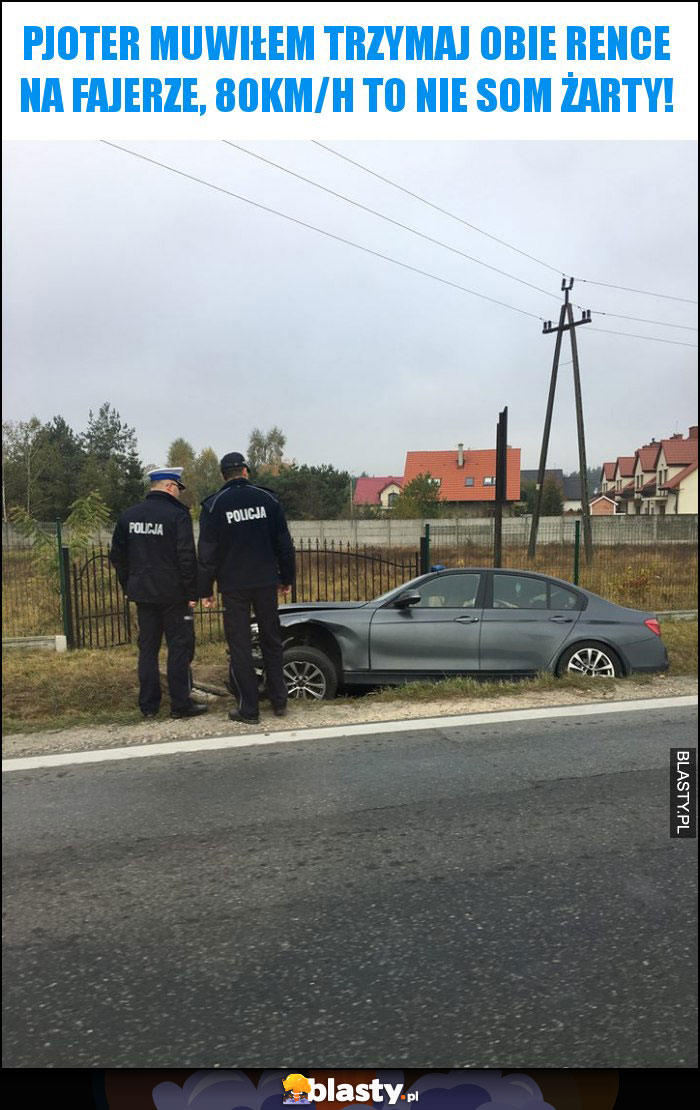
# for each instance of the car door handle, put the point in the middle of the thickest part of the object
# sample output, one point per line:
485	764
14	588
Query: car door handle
561	620
467	620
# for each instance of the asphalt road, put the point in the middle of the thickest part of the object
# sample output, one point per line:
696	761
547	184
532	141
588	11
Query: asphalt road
504	895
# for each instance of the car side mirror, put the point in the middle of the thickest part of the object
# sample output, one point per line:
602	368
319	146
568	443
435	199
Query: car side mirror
405	600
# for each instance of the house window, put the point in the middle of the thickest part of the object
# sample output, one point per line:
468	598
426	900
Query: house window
469	481
489	481
391	499
436	481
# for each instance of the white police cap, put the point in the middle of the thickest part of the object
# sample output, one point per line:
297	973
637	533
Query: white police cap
167	474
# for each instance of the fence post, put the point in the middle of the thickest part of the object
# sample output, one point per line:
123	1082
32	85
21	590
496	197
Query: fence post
577	550
68	615
65	602
425	551
296	571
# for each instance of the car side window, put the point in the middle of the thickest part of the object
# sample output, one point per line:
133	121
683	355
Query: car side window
561	598
512	592
449	591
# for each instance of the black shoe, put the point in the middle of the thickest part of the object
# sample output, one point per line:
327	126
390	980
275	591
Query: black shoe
150	715
280	711
234	715
191	711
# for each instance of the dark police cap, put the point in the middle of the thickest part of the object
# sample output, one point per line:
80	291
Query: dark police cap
233	460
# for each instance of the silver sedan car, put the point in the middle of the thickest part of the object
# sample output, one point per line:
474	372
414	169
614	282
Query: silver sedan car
481	622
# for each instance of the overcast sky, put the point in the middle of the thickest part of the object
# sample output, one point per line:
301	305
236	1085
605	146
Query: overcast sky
200	316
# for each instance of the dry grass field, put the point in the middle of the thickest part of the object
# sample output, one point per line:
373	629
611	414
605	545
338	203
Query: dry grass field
43	690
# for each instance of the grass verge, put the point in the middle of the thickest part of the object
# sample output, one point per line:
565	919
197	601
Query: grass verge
42	690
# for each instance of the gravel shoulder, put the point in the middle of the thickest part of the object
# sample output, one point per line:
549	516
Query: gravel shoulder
344	711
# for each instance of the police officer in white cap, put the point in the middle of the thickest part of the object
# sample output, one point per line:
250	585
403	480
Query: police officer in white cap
154	555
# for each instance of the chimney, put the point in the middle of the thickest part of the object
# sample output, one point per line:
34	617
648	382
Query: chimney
460	454
693	432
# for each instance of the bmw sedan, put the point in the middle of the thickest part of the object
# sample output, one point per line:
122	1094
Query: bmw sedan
482	622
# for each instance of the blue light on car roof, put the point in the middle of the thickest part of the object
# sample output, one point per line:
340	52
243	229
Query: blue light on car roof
438	566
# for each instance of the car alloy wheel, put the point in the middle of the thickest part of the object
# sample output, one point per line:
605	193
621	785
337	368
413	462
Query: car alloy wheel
309	673
305	680
592	662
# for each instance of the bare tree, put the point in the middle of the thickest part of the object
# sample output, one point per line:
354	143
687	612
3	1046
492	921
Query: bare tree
266	449
26	457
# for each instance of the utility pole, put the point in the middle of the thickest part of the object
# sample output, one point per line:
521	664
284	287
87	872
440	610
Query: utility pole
501	485
566	323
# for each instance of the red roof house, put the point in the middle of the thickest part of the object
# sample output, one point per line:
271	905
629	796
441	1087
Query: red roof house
679	451
368	491
659	469
675	482
465	477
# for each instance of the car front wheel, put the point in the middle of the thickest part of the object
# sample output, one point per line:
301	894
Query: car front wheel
309	674
590	661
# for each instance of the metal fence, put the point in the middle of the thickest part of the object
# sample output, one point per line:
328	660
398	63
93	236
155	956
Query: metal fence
31	595
86	603
101	616
342	572
330	572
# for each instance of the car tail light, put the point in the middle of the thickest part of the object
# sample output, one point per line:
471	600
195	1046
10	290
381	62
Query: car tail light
654	626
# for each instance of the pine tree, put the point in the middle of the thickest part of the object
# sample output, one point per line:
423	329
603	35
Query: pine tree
111	460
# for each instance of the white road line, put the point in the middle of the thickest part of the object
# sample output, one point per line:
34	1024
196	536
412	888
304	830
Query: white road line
415	724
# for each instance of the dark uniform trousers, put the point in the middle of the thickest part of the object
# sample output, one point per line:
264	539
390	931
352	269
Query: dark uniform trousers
244	680
177	622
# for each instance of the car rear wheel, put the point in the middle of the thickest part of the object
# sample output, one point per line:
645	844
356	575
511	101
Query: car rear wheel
309	674
590	661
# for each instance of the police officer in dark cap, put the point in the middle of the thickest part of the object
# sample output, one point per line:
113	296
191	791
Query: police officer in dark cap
154	555
244	544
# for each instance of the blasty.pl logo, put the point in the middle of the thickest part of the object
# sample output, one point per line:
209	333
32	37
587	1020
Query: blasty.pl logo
300	1091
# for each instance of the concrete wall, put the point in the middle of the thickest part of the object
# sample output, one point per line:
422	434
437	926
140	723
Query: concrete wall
447	532
607	531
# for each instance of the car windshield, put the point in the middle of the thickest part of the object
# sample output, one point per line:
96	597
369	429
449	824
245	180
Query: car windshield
397	590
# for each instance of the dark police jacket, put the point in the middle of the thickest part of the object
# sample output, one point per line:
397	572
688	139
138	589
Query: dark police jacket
243	539
153	551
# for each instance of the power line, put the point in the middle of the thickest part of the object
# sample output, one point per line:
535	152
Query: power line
503	242
642	320
633	335
389	219
437	207
320	230
642	292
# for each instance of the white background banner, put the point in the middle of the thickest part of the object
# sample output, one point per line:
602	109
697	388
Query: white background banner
415	75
